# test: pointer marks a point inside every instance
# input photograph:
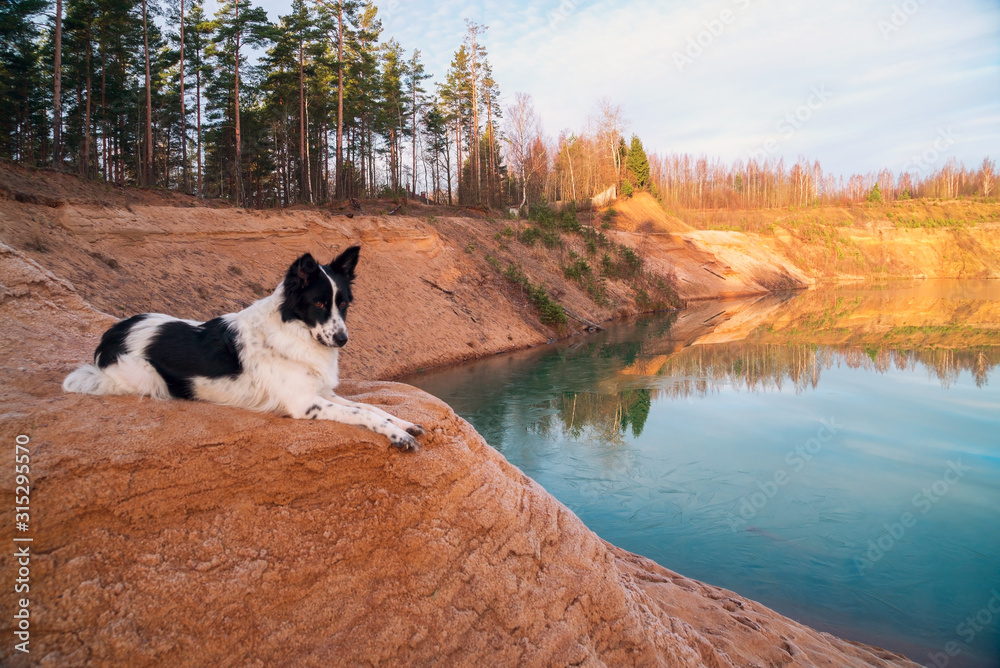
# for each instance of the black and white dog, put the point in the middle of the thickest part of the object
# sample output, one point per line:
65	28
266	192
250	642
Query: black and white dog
279	354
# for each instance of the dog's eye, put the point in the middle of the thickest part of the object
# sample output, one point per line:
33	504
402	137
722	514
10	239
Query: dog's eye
321	304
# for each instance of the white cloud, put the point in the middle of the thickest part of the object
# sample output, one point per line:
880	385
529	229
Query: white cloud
936	66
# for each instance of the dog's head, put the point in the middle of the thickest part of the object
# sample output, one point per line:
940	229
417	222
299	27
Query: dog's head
319	294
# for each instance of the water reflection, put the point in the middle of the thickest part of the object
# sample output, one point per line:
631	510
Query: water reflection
666	435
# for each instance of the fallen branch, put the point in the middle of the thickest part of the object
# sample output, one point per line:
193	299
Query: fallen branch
713	273
590	325
436	286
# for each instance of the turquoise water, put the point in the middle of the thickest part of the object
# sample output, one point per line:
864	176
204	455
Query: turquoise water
834	455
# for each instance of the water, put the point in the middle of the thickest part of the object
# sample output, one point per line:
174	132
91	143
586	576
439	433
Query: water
834	454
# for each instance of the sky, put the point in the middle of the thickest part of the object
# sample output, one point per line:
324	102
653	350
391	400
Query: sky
903	84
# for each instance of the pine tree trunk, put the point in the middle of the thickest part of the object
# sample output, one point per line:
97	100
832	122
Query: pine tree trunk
305	131
303	159
458	151
413	128
148	176
57	91
197	84
236	99
85	161
104	114
184	161
338	189
475	125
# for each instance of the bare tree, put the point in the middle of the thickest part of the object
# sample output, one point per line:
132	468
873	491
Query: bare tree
987	177
523	128
612	124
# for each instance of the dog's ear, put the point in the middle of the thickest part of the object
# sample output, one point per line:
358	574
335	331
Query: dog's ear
301	273
345	263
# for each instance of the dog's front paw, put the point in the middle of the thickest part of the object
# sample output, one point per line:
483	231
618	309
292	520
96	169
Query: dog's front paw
404	442
416	430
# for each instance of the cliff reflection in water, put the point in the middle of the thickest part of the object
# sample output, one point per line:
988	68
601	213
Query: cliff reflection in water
607	383
666	436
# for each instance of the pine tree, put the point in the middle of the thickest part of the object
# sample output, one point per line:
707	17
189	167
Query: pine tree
435	124
415	74
200	33
637	164
875	195
20	79
393	110
240	24
456	96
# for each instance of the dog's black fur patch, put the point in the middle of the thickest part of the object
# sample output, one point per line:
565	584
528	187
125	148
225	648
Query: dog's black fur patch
180	351
113	343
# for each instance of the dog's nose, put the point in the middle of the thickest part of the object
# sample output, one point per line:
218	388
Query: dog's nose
340	338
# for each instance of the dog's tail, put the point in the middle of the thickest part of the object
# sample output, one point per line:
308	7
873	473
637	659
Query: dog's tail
129	375
88	379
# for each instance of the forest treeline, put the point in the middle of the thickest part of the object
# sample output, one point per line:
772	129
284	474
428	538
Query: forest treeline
321	105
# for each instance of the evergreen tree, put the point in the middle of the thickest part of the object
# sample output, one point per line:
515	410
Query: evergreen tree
394	108
199	34
239	24
22	132
415	75
435	125
456	96
637	164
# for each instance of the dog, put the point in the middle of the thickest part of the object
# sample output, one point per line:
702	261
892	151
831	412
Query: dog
277	355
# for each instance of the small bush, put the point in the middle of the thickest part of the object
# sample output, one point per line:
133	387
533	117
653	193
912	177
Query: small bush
549	311
577	269
627	264
529	235
568	221
543	215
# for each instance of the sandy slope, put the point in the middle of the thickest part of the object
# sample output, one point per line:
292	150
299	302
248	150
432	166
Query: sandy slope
185	534
426	295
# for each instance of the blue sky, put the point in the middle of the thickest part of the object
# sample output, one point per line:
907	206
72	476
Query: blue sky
857	85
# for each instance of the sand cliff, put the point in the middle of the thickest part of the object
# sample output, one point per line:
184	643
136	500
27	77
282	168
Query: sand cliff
176	533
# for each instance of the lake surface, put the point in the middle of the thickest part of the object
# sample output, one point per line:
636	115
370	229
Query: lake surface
833	454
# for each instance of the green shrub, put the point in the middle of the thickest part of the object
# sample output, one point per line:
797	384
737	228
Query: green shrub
568	221
549	311
529	235
875	195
